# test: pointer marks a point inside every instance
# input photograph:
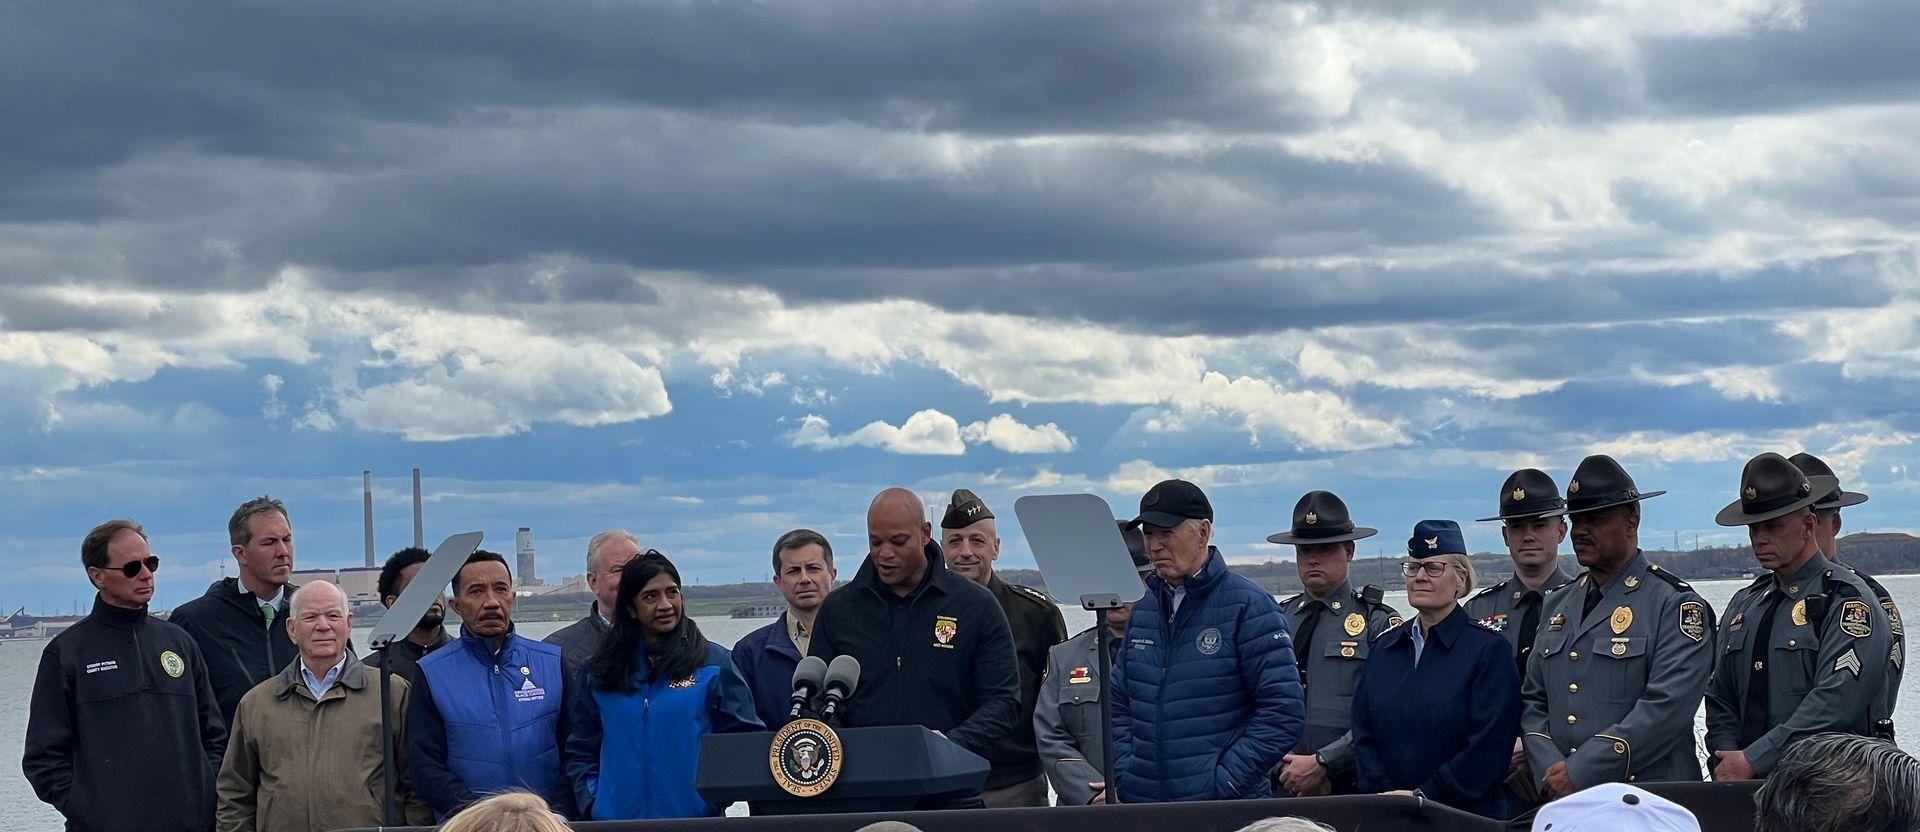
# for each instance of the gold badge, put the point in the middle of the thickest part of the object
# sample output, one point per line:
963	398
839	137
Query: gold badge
1621	620
1355	624
944	629
1312	518
805	757
1519	494
1800	613
526	671
172	664
1752	494
1573	487
1633	581
1854	620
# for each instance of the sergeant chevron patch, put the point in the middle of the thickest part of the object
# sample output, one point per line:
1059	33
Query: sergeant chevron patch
1848	661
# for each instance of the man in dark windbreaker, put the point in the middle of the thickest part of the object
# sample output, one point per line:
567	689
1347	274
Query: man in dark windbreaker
934	648
1207	698
241	622
124	734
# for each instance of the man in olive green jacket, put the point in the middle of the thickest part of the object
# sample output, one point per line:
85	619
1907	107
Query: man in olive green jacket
305	753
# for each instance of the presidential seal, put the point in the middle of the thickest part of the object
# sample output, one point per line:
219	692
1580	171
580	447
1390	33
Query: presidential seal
1208	641
172	664
805	757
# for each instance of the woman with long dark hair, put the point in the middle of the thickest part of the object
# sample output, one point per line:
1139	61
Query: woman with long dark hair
654	688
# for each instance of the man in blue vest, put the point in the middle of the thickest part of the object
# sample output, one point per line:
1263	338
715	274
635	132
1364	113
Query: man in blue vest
489	712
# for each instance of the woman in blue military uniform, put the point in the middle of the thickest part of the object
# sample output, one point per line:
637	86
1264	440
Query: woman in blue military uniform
1438	704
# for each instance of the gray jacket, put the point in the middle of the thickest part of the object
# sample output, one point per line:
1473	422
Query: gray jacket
1066	720
1614	693
1342	639
578	641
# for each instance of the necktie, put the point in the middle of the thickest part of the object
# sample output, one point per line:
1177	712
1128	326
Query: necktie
1303	640
1753	709
1593	600
267	612
1529	624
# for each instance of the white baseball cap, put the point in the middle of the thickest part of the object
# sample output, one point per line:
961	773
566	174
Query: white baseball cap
1614	807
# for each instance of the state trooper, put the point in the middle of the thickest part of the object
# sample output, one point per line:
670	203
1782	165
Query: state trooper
1534	524
1827	529
1624	658
972	545
1332	627
1801	651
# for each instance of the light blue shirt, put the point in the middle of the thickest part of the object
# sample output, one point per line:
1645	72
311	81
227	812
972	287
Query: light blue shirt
319	687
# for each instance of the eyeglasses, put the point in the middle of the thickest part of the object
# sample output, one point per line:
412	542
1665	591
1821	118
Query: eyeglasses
1433	568
131	568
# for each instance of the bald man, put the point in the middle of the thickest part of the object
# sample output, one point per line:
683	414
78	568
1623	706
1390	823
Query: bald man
934	647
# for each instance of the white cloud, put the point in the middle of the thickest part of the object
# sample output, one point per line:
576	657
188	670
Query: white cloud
755	500
925	433
686	501
273	409
1007	434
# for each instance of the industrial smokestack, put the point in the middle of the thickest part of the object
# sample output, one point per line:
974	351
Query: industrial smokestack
366	507
419	531
523	551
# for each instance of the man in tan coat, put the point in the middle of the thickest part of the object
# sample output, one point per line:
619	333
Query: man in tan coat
305	750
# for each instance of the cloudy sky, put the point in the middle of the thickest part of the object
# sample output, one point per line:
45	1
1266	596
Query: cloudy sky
714	270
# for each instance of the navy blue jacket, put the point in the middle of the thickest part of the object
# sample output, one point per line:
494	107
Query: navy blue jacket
1206	701
635	755
482	722
1445	727
241	648
766	658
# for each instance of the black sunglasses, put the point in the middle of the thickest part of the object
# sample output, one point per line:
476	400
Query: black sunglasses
131	568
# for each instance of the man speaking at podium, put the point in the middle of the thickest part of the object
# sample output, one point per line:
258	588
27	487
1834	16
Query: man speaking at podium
934	648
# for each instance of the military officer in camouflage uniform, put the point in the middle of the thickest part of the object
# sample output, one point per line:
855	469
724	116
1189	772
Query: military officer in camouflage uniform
972	544
1803	650
1534	524
1620	666
1332	627
1827	529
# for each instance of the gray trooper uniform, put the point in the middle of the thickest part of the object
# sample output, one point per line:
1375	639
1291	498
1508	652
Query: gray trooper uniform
1835	500
1346	624
1613	692
1066	721
1824	663
1502	609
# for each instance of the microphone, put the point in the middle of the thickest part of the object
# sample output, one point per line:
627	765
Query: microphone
806	683
843	676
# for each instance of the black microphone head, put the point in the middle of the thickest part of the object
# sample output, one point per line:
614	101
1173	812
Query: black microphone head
843	673
809	673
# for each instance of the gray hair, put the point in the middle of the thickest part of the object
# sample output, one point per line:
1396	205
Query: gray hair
599	540
1840	781
1285	825
240	525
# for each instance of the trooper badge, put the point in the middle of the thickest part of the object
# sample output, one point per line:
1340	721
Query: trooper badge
805	757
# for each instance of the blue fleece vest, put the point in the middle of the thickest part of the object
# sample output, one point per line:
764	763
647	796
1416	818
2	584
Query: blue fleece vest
502	713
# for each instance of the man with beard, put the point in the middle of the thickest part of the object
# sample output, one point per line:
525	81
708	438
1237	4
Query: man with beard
1067	728
1803	649
489	712
933	647
1616	676
803	571
428	635
240	623
972	545
1827	530
606	553
1333	630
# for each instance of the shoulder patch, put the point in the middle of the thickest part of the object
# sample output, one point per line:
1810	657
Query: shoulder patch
1855	619
1671	579
1693	619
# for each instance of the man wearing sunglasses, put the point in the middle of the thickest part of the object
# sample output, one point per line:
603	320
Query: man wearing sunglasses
123	734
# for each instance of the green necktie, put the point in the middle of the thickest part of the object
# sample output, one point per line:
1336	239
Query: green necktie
266	612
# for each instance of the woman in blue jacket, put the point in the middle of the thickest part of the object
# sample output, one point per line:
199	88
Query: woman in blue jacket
1438	704
654	688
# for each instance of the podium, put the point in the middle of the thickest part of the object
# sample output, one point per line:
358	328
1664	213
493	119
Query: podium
887	768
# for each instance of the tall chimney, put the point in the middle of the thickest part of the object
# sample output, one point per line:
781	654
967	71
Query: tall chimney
523	549
419	531
366	507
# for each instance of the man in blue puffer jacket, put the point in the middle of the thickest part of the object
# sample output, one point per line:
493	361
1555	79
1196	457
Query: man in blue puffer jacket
1206	696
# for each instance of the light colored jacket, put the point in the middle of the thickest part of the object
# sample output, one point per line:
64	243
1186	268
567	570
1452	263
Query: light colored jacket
295	764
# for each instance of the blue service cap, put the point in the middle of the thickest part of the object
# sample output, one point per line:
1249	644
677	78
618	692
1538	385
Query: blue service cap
1433	538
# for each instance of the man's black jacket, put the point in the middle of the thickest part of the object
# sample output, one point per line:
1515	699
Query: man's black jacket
942	657
241	649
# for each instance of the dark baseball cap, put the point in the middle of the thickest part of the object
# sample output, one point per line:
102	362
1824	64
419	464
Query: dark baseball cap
1172	502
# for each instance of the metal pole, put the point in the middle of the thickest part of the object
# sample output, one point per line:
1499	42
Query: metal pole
1106	706
366	507
386	732
419	531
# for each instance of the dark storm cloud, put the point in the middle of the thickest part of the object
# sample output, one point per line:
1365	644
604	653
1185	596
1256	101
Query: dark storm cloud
1847	52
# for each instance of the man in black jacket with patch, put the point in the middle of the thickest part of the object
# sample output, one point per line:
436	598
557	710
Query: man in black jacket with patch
934	648
123	734
240	623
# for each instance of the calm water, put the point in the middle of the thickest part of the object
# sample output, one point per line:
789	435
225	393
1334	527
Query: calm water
21	811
